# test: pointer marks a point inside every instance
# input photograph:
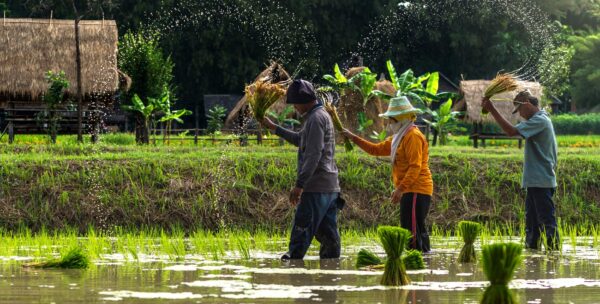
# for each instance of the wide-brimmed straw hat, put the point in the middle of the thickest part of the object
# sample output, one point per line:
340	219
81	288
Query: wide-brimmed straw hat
400	106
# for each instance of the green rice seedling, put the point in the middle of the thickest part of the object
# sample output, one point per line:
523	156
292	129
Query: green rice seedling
394	240
366	258
75	258
595	235
243	247
469	231
499	263
413	260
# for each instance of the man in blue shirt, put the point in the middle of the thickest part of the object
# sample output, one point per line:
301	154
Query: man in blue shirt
539	167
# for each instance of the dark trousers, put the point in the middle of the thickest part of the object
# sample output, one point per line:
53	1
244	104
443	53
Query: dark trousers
539	218
413	211
316	216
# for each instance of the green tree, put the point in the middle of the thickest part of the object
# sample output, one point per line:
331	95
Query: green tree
141	57
585	65
54	98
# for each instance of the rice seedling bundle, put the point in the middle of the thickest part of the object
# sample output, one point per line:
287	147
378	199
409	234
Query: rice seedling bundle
469	231
503	83
261	95
337	123
413	260
394	240
75	258
367	258
499	264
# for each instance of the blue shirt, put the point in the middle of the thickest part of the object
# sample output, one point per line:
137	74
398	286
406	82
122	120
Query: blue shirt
539	167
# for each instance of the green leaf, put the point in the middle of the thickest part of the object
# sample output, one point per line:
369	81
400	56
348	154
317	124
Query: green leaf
433	83
330	79
393	75
405	80
445	108
382	95
338	74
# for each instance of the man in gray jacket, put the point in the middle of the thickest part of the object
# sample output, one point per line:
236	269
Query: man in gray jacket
316	194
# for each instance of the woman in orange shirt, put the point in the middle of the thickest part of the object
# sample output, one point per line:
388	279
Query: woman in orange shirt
409	152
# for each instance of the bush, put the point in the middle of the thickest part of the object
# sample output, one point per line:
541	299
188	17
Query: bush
577	124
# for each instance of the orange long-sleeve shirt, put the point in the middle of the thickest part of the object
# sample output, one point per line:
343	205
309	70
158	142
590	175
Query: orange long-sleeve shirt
410	171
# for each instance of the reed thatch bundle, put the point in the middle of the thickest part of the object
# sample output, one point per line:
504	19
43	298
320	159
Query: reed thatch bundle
351	103
31	47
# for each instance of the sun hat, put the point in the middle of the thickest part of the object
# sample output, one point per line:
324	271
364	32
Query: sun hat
400	106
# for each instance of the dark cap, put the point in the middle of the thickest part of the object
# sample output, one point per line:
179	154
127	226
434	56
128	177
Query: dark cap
300	92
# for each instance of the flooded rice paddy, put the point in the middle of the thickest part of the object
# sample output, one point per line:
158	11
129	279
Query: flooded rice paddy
255	276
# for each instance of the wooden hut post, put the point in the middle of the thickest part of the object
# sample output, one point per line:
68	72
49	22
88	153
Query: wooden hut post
11	127
78	64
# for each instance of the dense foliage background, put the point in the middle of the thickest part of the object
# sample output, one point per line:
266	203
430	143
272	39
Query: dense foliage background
218	46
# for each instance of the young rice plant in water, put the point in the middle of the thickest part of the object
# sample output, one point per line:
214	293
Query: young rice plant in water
499	264
75	258
469	231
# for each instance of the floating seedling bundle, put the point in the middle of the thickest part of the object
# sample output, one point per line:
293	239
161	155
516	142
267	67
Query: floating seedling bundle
469	231
413	260
504	82
75	258
499	264
262	95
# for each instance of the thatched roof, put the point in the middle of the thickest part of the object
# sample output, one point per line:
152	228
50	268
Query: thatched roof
273	73
472	91
31	47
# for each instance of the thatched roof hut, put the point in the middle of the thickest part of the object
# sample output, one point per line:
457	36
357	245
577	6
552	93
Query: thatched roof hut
472	91
273	73
31	47
352	103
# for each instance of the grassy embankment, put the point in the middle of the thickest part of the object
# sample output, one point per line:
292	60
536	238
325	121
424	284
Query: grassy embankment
104	186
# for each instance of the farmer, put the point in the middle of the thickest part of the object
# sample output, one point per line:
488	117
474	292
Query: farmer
316	194
539	176
409	152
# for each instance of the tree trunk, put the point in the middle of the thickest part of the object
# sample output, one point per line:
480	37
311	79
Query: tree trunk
78	63
142	135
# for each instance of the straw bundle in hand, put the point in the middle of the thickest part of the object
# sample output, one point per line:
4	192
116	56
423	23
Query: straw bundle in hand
261	96
501	84
337	123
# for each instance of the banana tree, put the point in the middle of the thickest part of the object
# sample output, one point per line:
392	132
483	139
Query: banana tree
337	81
171	116
145	111
411	86
363	83
444	121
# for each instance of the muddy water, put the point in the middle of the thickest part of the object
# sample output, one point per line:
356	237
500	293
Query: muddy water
573	277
